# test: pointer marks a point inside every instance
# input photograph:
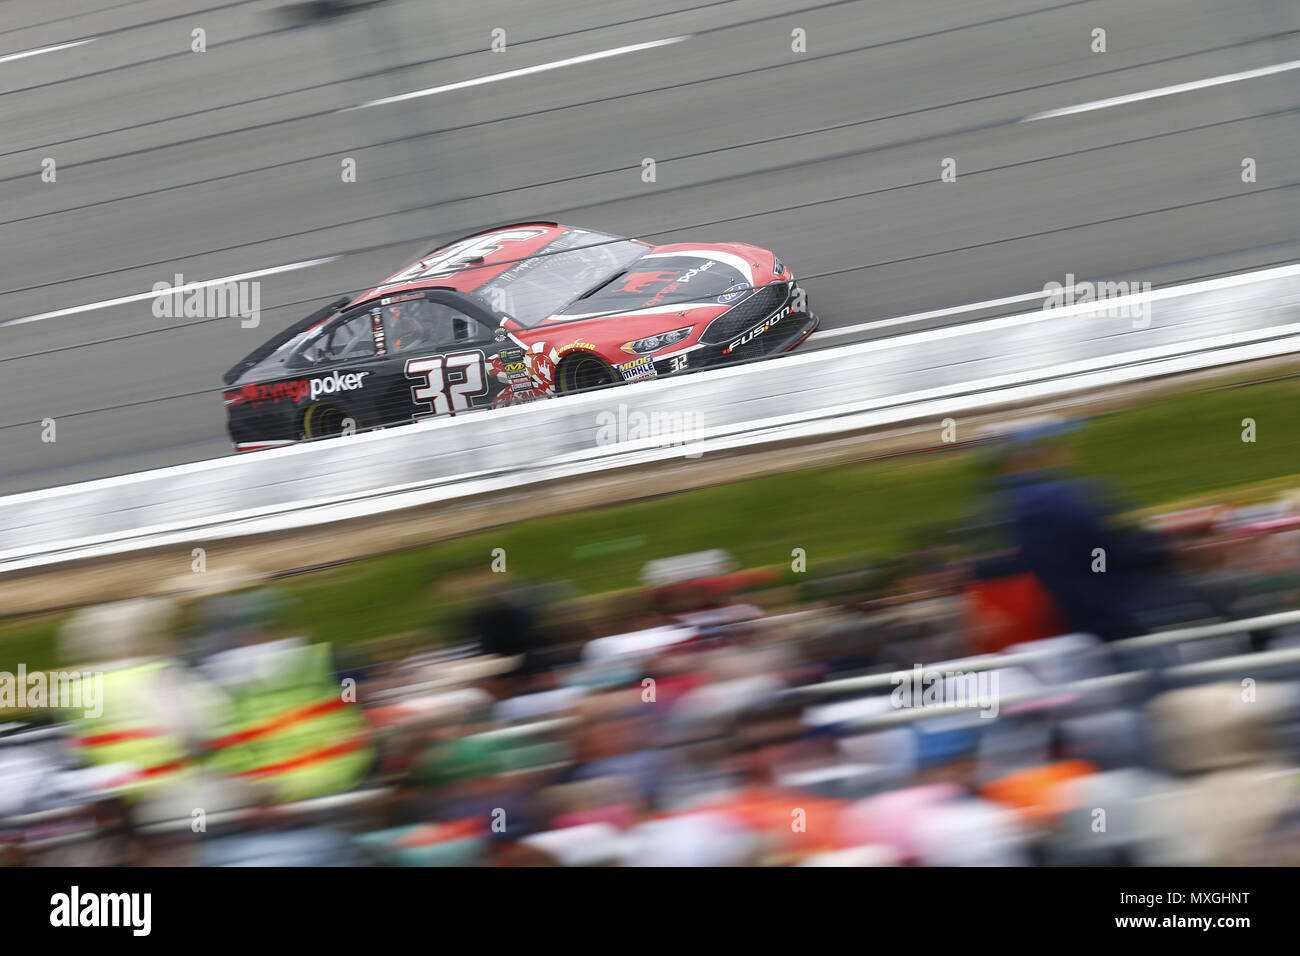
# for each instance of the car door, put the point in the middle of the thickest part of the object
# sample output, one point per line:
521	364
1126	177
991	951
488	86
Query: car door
338	363
438	345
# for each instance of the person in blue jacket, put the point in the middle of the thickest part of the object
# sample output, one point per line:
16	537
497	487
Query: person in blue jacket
1062	528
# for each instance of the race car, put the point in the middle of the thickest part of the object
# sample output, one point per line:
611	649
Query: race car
514	314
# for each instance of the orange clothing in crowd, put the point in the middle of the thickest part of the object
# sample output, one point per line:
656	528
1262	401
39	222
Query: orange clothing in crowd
1036	794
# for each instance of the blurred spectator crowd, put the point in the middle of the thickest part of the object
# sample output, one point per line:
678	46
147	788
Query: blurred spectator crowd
713	717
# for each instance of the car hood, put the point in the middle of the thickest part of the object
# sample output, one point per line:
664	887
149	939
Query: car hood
664	281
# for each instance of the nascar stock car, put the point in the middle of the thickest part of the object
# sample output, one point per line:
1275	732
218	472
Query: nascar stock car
509	315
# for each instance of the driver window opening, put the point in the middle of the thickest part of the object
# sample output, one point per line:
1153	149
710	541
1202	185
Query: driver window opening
349	339
425	326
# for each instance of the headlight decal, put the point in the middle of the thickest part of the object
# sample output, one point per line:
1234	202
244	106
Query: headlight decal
652	343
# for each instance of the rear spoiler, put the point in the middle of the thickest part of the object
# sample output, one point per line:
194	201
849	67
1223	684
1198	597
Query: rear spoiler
273	343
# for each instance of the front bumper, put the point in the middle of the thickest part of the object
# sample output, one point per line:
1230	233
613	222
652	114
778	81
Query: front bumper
768	334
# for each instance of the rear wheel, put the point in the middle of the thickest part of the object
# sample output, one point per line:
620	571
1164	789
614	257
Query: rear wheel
327	421
578	373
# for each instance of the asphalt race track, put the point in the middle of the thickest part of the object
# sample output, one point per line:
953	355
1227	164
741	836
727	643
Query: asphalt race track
228	162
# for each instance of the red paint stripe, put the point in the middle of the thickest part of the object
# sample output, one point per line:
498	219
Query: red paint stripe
165	768
279	722
138	775
117	737
305	759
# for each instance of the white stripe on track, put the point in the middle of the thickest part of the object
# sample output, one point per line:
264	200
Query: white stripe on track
1165	91
525	71
142	296
45	49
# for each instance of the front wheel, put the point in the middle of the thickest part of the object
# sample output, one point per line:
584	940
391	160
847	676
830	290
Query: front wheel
581	373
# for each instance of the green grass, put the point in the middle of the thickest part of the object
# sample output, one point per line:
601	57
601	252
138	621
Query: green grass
1176	448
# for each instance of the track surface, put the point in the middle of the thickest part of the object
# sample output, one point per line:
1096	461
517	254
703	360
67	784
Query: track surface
945	78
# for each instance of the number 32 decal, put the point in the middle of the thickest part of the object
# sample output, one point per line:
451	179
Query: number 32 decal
436	392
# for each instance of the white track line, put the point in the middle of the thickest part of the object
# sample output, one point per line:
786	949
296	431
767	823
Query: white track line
526	71
1165	91
142	296
45	49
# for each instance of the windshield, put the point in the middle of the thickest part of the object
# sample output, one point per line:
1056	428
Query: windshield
578	261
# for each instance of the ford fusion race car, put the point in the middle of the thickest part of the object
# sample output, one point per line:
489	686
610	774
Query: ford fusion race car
509	315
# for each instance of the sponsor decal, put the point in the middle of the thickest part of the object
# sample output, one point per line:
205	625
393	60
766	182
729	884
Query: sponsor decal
255	395
401	298
690	274
499	334
513	368
735	292
577	345
756	331
639	368
337	382
536	381
637	282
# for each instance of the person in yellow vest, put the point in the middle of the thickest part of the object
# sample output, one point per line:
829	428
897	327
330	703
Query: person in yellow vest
288	726
148	710
285	729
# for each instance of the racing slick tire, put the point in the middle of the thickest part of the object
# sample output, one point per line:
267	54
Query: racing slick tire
323	420
582	372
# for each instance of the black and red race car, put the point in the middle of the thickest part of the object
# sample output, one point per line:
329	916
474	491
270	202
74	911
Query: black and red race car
513	314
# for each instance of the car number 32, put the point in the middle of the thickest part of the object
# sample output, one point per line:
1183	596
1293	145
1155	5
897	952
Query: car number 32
438	390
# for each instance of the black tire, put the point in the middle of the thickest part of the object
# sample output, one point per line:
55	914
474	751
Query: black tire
323	420
584	372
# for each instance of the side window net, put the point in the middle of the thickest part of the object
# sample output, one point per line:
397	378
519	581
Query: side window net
427	326
346	340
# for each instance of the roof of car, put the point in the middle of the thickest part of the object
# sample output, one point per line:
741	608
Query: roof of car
469	262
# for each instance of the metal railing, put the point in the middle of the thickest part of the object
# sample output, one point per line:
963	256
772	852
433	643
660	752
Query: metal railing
933	374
